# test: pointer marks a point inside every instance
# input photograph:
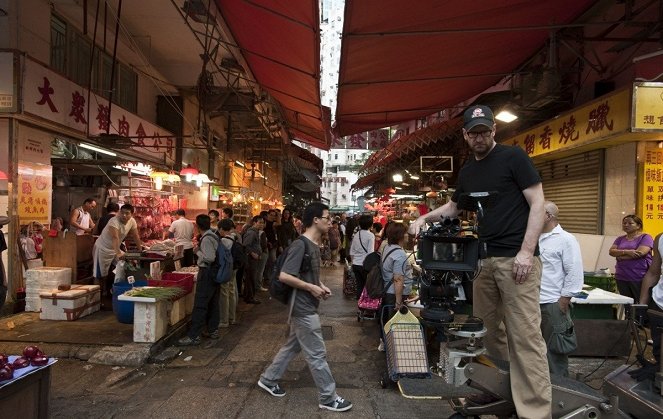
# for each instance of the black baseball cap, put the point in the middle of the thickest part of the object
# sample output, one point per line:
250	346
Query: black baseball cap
478	115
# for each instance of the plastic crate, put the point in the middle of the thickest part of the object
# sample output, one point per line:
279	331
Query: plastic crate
171	279
605	282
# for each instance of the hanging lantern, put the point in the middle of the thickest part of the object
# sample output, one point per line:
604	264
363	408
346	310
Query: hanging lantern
189	172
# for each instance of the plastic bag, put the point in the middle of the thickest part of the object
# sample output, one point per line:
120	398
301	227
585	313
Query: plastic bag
120	271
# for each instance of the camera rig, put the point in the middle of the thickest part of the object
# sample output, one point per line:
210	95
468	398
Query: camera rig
448	254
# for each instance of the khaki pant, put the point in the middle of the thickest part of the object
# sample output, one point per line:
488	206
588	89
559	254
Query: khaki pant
512	315
228	301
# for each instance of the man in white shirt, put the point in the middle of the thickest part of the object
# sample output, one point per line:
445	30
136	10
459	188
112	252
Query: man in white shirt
561	278
80	220
182	231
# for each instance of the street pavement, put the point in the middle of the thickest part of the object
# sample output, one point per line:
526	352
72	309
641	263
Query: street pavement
218	378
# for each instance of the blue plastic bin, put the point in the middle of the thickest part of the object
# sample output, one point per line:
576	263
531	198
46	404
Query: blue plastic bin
124	310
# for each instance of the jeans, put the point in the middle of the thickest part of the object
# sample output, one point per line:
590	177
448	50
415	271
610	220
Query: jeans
228	301
250	273
187	257
205	305
305	335
262	262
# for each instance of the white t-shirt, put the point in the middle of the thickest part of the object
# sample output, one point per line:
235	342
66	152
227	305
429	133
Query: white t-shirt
106	239
83	220
182	230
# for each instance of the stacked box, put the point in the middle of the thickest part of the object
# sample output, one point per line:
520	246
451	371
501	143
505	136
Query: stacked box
177	311
43	279
150	321
79	301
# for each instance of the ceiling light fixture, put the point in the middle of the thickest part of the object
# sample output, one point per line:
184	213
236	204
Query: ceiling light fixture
397	177
506	116
97	149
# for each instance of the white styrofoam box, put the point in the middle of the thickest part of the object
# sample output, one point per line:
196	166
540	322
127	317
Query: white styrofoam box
41	279
150	321
177	310
33	303
188	302
79	301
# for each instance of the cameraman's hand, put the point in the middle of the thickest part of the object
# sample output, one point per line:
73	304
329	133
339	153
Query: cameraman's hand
417	225
522	266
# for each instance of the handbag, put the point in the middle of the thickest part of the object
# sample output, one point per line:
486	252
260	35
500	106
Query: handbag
367	303
563	340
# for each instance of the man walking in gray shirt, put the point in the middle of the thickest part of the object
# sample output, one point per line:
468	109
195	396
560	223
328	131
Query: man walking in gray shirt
301	271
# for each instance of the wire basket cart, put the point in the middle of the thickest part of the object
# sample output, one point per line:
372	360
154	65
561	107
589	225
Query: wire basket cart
405	346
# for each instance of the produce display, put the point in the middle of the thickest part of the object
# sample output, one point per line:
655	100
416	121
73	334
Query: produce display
32	357
159	293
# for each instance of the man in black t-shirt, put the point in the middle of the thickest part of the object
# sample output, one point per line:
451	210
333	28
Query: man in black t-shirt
506	291
305	329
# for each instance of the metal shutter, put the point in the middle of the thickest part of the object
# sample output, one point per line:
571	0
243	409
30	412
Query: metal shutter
575	184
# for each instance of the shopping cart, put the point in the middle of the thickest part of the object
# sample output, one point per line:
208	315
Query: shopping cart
405	346
349	281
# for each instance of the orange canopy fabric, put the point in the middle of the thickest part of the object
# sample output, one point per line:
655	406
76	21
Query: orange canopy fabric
402	60
280	41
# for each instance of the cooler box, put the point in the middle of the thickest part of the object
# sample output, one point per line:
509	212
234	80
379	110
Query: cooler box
43	279
73	304
172	279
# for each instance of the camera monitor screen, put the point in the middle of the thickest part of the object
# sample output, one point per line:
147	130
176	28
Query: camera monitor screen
450	253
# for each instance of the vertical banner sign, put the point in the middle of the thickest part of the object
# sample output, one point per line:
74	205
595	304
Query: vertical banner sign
34	192
652	191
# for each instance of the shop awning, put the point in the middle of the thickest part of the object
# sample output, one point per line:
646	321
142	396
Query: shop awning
304	159
280	42
368	180
403	60
410	143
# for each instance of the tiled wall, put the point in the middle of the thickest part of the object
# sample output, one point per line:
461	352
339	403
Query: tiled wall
620	186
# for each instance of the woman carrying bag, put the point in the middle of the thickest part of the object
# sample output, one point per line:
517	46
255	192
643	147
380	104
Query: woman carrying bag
363	243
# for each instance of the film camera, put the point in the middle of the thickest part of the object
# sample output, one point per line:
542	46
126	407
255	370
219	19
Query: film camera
449	258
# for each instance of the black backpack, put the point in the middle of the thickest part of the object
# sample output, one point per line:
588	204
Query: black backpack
277	289
375	287
238	253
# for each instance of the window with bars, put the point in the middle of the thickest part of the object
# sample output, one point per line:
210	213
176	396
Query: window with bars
70	56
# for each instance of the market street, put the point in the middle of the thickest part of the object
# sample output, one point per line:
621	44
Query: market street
220	378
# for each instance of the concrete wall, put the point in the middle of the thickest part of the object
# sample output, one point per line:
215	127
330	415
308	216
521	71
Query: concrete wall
620	186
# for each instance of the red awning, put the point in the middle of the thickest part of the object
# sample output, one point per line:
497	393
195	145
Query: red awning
404	60
410	143
280	41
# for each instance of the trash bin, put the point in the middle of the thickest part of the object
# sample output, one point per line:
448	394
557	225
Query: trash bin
124	310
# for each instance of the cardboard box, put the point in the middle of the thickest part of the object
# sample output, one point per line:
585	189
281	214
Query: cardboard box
72	304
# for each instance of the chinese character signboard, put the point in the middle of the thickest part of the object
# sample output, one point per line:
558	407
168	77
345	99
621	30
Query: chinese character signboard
34	192
356	141
648	107
7	83
651	197
51	96
378	139
34	146
600	119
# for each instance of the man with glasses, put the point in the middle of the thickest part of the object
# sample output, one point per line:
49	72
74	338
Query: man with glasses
506	291
301	270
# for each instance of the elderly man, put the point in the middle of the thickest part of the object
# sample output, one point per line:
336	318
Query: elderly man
506	291
561	277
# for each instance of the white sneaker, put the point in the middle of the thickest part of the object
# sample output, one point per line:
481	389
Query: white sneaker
381	346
